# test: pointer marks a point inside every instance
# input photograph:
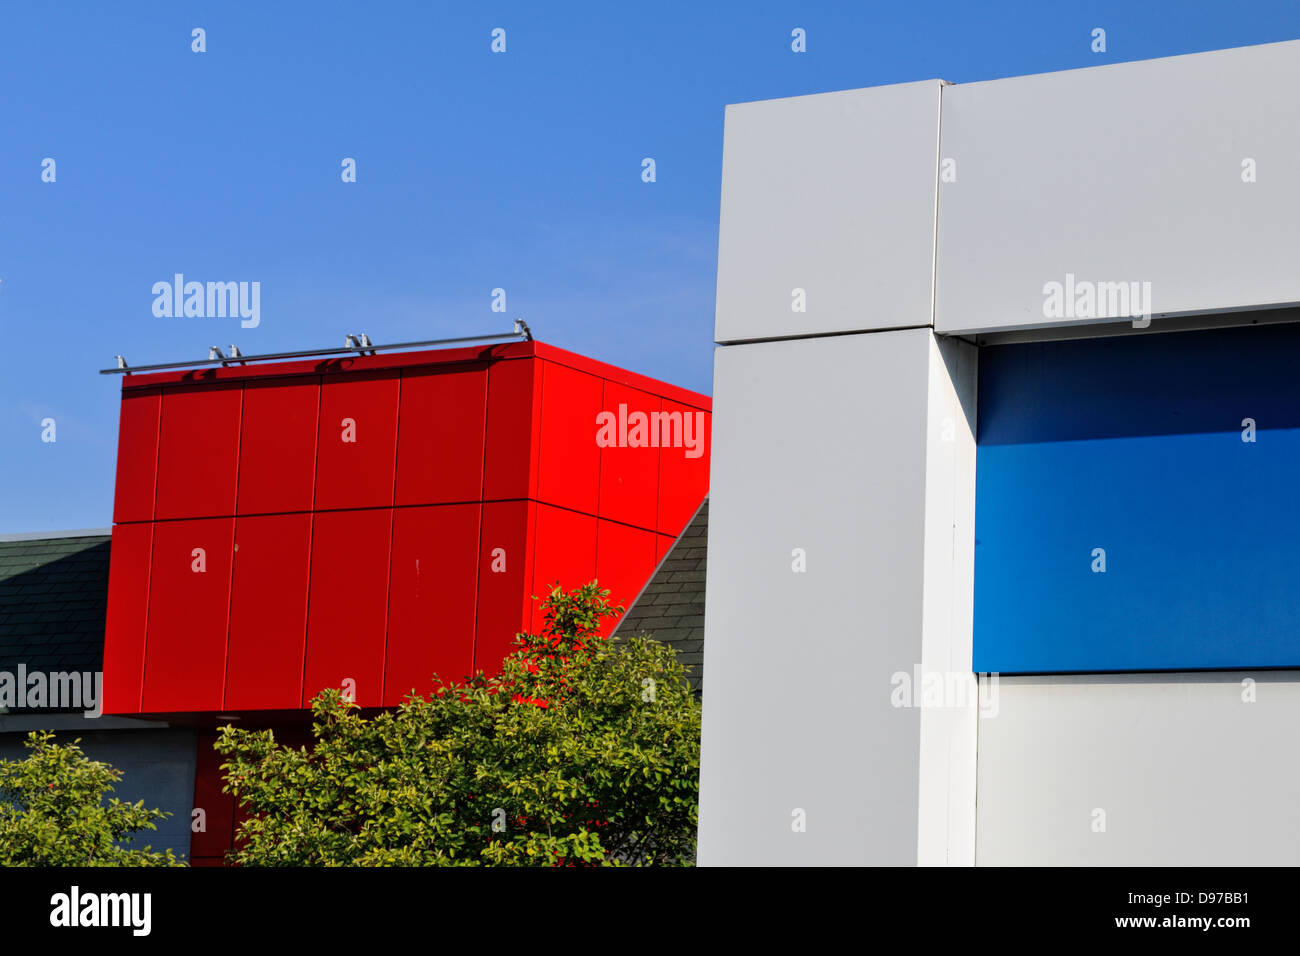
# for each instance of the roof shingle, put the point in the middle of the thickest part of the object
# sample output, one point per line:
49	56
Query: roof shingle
670	608
53	601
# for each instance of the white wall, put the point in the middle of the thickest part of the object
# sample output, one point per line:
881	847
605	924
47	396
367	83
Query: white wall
832	194
826	441
1187	772
822	445
1127	172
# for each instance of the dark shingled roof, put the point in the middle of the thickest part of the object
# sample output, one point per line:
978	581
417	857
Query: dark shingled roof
53	601
671	606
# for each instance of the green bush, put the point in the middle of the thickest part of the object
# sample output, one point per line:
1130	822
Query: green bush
582	751
52	811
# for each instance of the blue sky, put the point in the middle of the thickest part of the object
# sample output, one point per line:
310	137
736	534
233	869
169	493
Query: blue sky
475	171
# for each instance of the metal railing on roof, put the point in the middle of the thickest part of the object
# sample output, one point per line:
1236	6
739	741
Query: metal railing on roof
353	345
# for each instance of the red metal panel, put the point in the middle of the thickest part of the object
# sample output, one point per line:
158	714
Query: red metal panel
198	451
137	455
440	435
431	598
268	612
568	467
629	456
349	603
625	558
128	614
622	376
504	572
189	595
565	552
510	446
209	846
684	468
507	430
663	544
357	444
277	445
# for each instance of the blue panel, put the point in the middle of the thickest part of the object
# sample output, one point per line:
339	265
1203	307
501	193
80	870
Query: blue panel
1134	445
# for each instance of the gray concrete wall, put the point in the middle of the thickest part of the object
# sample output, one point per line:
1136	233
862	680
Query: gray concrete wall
157	766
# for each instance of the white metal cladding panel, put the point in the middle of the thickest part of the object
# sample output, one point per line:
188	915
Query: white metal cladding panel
820	444
832	194
1123	173
1187	772
946	823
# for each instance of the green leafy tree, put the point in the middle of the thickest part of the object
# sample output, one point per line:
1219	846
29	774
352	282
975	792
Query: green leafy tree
582	751
53	812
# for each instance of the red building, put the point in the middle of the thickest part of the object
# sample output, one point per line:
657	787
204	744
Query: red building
366	521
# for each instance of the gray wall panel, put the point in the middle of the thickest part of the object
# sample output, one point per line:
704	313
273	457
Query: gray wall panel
1185	770
833	194
819	444
1120	173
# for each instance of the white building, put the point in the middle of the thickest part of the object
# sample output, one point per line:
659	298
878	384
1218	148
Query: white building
1009	381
